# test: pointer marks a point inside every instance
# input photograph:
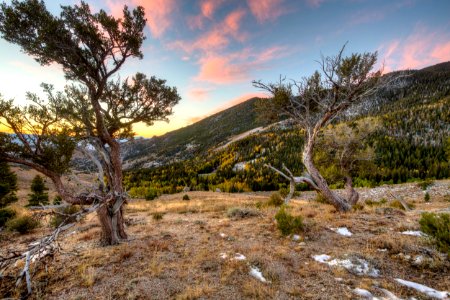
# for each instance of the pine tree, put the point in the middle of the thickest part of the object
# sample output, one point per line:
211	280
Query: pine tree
8	185
38	195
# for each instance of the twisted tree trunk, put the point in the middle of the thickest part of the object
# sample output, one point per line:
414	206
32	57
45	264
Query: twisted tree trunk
337	201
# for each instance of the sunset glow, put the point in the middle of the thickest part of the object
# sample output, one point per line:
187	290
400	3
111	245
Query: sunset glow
211	50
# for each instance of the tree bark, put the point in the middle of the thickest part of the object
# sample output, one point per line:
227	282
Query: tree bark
338	202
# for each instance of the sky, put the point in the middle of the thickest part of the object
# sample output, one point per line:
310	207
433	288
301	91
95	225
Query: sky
211	50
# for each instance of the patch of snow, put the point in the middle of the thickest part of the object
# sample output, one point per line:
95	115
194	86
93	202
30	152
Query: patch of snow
414	233
355	265
363	293
424	289
390	295
223	255
321	258
342	231
239	256
255	272
222	235
295	237
418	260
382	250
338	279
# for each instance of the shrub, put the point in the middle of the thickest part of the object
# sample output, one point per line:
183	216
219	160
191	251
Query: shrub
283	192
425	184
151	194
5	215
241	213
275	199
287	223
358	206
397	204
22	224
57	200
426	198
186	197
157	216
438	227
64	213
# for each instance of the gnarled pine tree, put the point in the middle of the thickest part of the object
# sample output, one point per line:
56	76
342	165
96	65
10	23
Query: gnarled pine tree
315	101
96	110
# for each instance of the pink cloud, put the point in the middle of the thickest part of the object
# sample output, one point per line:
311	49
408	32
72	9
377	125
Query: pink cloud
235	67
157	12
199	94
420	49
209	7
266	10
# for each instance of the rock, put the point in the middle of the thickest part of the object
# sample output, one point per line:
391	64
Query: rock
218	190
186	189
389	211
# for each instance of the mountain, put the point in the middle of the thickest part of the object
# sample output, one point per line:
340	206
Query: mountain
415	87
192	140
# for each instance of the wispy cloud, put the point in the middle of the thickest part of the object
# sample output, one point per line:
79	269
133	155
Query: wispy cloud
158	12
315	3
419	49
199	94
267	10
235	67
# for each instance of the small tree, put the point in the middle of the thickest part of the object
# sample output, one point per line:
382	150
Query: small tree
315	101
38	195
8	185
96	110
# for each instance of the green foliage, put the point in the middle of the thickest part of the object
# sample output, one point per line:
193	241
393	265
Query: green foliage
157	216
186	197
358	206
151	194
427	197
241	213
57	200
425	184
8	185
38	195
23	224
64	215
275	199
370	202
287	223
5	215
438	227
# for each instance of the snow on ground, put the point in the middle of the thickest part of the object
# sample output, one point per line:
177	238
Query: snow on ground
342	231
424	289
239	256
321	258
223	255
223	235
354	265
363	293
255	272
414	233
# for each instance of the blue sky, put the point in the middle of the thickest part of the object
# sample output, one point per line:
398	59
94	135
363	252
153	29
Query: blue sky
211	50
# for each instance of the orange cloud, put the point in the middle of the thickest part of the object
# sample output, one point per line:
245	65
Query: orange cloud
157	12
235	67
420	49
266	10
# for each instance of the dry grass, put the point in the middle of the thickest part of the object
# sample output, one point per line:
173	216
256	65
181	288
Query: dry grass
179	256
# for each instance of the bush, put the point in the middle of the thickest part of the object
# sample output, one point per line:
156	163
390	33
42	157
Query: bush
426	198
157	216
358	206
63	214
5	215
287	223
241	213
22	224
397	204
425	184
438	227
275	199
57	200
186	197
151	194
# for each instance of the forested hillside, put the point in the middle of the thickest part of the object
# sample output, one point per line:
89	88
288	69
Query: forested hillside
409	142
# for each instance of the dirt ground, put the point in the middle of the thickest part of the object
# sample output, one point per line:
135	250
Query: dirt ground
196	251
